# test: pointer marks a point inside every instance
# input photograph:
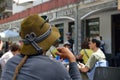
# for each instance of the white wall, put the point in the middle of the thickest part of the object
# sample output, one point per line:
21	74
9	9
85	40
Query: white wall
18	8
105	27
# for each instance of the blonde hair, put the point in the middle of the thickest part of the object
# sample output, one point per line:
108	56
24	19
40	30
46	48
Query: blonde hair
19	67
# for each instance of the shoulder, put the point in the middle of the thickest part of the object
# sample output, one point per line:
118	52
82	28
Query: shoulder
89	50
7	54
82	51
99	54
14	58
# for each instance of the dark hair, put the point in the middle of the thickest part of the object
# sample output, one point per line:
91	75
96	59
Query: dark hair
14	47
67	45
85	45
100	37
97	42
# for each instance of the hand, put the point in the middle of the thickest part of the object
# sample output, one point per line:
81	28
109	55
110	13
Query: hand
78	66
81	65
83	68
66	53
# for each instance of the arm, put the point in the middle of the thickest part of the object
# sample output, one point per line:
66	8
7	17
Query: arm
80	55
74	71
83	68
1	45
73	68
89	65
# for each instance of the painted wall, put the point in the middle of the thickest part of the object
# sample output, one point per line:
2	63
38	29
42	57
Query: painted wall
105	28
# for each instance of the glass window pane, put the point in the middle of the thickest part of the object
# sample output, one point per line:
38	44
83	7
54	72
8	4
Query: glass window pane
92	28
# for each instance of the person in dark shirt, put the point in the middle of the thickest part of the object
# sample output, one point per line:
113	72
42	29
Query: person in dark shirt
102	44
70	40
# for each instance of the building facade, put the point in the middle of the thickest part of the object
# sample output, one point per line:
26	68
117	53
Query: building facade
5	8
83	18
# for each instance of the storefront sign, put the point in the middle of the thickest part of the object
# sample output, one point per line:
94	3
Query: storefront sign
89	1
64	12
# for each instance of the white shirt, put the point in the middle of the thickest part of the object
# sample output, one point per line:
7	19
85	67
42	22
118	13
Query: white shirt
5	57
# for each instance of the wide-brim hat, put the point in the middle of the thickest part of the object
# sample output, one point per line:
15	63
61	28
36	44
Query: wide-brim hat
36	24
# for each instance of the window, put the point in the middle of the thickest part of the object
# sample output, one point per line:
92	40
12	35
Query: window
71	29
92	28
61	30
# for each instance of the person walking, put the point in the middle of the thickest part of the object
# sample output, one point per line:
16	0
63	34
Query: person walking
70	40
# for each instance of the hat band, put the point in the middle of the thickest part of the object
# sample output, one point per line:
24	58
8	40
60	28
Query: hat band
39	38
32	39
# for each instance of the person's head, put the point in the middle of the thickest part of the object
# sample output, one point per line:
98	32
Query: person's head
68	34
15	48
94	43
67	44
85	45
37	34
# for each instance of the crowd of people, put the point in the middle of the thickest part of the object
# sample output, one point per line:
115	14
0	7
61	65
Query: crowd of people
41	58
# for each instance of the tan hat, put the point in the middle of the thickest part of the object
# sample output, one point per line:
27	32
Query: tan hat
37	34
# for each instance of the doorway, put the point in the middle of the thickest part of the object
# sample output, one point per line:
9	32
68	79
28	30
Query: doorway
115	40
116	34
